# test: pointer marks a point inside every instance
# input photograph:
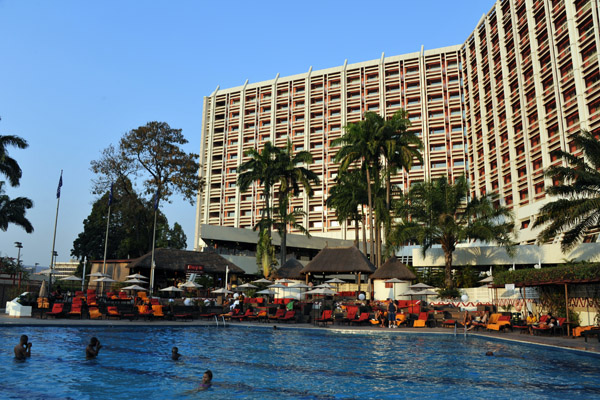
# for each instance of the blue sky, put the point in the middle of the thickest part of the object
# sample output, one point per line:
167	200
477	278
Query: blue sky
76	75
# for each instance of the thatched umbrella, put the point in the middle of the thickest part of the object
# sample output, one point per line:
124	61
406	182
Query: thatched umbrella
290	270
339	260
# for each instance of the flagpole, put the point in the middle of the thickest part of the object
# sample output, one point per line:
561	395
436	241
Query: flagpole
106	235
54	237
152	264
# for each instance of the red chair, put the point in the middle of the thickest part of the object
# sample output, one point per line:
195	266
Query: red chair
326	317
362	319
289	316
352	311
123	296
244	316
75	310
113	312
145	311
57	310
278	314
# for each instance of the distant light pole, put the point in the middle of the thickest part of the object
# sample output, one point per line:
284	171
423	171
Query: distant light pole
19	246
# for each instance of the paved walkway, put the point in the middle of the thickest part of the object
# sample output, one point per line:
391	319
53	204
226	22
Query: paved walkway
592	344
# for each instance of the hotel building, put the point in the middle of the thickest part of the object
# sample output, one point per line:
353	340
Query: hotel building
496	108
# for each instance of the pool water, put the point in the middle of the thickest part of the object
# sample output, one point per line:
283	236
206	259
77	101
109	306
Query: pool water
262	363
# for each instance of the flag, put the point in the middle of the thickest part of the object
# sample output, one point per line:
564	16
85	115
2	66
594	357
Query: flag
110	195
156	200
59	186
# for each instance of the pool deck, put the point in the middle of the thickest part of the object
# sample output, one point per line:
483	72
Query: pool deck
591	346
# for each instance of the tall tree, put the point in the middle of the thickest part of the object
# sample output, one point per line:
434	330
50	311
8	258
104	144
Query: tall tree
152	152
440	213
131	225
347	197
265	251
577	209
293	176
261	169
13	211
359	147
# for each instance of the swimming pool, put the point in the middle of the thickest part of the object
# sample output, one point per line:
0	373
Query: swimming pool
253	363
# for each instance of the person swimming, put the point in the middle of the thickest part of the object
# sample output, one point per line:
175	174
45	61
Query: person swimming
206	380
23	349
175	354
92	349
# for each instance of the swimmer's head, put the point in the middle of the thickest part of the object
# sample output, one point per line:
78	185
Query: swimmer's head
94	341
489	353
24	339
174	350
207	377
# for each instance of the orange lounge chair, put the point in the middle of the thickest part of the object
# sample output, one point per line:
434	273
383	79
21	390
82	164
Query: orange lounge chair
262	315
144	311
95	313
498	322
113	312
157	311
401	319
240	317
57	310
326	316
421	322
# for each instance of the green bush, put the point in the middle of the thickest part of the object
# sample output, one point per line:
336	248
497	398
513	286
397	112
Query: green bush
580	271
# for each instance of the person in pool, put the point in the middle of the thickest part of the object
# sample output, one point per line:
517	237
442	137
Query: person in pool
23	349
92	349
206	380
175	354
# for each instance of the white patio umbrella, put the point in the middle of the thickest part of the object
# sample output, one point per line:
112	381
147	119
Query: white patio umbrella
393	281
299	286
335	280
322	291
222	291
278	286
268	292
136	276
247	286
420	286
45	272
324	286
489	279
171	289
104	279
134	287
135	280
426	293
262	280
283	281
190	284
71	278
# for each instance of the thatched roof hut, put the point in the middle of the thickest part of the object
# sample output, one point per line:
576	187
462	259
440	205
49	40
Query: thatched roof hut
393	268
339	260
179	260
290	270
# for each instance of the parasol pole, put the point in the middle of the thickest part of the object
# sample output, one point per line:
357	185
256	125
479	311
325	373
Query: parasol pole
60	183
567	308
83	275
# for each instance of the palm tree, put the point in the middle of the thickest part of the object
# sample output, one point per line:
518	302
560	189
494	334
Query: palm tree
577	209
13	211
347	198
292	176
440	213
9	166
260	168
265	251
359	146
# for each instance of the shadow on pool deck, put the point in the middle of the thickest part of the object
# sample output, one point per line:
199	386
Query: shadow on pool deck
592	345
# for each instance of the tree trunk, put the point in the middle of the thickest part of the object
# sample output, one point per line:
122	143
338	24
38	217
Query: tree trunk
364	231
356	235
283	244
370	200
448	269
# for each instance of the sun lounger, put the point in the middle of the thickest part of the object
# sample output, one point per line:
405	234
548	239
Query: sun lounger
95	313
288	317
57	310
183	313
75	310
123	296
113	312
261	316
421	322
499	322
591	332
243	316
351	315
278	314
157	311
362	319
326	316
